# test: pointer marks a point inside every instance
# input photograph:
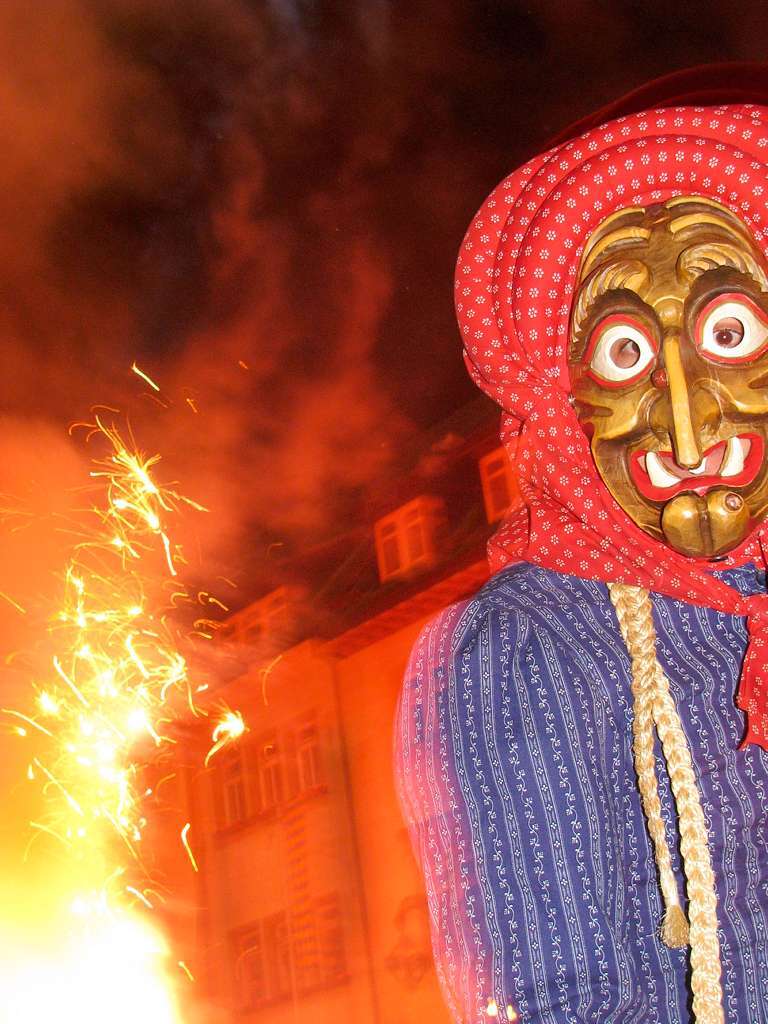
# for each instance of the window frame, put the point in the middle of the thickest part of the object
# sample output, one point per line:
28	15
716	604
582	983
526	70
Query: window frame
297	952
489	477
417	520
225	784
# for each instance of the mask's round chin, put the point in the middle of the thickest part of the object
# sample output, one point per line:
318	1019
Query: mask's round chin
705	526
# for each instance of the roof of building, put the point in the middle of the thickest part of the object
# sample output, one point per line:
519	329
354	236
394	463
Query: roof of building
333	589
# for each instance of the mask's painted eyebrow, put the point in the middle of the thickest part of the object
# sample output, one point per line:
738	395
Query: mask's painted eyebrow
627	275
714	217
628	234
699	259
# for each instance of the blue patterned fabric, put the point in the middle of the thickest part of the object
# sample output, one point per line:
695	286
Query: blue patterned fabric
515	773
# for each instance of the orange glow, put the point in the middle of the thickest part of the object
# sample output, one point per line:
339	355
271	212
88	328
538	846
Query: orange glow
104	713
112	970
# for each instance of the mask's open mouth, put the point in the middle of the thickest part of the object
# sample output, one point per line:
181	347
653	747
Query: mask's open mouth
731	463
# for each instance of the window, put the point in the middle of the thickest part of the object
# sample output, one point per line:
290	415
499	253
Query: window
270	774
233	804
250	974
499	488
389	552
276	956
278	959
302	758
262	776
263	968
415	545
308	762
406	538
269	622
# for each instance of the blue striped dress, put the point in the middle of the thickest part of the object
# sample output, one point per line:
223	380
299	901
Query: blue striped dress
515	774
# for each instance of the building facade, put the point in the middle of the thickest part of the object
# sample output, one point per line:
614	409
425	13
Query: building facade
308	904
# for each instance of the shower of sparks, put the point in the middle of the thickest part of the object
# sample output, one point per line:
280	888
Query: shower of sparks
187	847
186	970
229	728
14	604
140	373
116	682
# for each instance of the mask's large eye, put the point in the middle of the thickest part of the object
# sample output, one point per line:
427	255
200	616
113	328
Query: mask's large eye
731	329
620	351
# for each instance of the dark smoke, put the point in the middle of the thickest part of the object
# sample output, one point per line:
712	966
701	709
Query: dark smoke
260	203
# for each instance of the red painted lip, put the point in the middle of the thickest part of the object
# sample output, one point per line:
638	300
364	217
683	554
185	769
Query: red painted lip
699	483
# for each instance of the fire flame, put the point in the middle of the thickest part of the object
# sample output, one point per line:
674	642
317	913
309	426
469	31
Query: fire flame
117	681
111	971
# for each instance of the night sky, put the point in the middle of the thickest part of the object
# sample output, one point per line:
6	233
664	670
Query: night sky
261	204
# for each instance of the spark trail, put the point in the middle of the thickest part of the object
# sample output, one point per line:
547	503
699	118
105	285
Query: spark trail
117	681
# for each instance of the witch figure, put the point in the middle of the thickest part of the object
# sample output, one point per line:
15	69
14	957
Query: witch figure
581	747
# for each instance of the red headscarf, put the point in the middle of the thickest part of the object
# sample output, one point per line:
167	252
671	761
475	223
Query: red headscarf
515	280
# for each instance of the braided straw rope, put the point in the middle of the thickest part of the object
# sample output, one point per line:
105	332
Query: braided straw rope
654	706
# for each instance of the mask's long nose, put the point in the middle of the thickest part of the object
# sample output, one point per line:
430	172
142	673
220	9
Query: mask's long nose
684	441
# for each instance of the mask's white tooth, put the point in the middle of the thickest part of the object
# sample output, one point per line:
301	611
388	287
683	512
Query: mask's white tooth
733	462
659	476
698	470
